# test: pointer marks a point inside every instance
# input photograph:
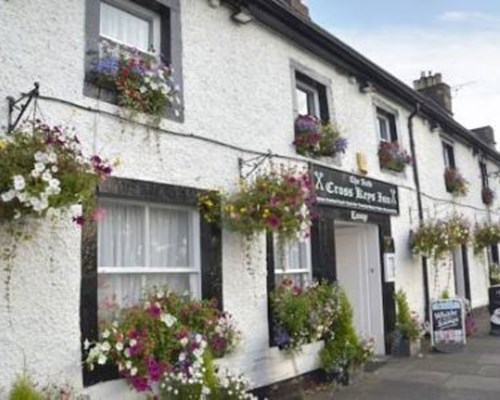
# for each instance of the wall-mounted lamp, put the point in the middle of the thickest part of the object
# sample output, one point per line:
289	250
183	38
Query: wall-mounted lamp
242	16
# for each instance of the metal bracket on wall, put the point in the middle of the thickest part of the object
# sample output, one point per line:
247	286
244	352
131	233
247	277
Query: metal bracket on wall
21	108
253	163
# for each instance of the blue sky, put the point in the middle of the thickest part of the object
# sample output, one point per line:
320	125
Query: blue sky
459	38
365	14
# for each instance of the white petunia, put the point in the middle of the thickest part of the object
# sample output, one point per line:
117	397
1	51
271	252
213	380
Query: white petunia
128	364
133	343
106	334
168	319
52	157
46	176
22	197
35	174
102	359
8	196
39	167
127	353
19	182
106	346
54	169
86	344
133	371
119	346
182	357
184	341
41	157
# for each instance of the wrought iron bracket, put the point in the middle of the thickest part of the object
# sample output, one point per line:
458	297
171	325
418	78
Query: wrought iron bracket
15	105
253	163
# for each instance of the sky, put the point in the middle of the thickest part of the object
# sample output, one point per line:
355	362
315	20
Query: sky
459	38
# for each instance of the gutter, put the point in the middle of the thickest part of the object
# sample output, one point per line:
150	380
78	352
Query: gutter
305	33
425	273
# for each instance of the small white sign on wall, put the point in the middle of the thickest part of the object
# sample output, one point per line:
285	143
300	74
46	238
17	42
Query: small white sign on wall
390	267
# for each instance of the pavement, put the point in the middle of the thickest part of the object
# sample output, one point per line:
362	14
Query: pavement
472	374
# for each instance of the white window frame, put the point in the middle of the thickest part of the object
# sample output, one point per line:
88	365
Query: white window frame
446	158
379	128
307	270
152	17
313	94
194	250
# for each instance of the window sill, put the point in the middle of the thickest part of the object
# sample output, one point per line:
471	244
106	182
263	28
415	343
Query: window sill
108	95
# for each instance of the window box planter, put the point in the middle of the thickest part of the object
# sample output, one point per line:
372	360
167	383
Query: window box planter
312	138
138	81
456	184
393	157
404	347
488	195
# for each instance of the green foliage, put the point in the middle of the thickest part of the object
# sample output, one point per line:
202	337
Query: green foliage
24	389
306	315
343	349
406	321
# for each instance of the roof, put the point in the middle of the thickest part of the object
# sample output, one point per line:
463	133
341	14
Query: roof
304	32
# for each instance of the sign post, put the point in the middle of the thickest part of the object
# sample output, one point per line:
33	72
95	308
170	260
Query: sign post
448	325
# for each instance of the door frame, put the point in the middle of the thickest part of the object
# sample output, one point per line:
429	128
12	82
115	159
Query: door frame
327	215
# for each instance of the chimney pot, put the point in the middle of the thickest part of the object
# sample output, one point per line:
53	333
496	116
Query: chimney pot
432	86
486	134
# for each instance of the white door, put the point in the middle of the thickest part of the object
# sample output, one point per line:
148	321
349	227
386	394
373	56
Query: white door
359	273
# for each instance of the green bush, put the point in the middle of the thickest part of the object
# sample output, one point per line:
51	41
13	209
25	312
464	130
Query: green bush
406	321
24	389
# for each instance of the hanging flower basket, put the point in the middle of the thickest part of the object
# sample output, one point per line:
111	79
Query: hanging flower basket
485	235
312	138
436	239
393	157
488	196
141	81
278	202
455	182
43	168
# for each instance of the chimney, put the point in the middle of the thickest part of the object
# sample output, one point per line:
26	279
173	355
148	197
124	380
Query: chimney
299	8
486	134
433	87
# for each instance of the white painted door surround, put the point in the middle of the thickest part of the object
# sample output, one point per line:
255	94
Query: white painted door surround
359	273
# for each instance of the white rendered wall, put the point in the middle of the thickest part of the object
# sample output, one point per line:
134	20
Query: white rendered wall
237	89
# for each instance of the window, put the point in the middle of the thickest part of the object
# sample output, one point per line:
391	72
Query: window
154	237
145	245
152	26
449	155
484	174
292	261
129	24
310	97
386	125
307	99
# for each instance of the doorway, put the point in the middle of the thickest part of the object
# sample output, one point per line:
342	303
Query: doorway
358	265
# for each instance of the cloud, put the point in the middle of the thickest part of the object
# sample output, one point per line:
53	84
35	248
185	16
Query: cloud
462	57
466	16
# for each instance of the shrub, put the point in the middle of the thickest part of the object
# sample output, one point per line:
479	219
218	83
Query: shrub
392	156
406	322
312	138
455	182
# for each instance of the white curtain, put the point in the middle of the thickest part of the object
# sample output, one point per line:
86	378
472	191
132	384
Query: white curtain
122	238
168	245
125	27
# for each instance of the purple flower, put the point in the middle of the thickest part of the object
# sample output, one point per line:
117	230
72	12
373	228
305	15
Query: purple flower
154	368
107	65
139	383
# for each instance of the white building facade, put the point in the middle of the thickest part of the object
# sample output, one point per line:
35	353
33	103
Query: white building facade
242	84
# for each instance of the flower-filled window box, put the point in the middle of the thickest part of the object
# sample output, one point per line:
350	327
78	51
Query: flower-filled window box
278	202
456	184
142	81
488	195
312	138
165	346
393	157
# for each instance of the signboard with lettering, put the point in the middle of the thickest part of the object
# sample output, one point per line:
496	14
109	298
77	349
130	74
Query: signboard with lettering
448	325
353	191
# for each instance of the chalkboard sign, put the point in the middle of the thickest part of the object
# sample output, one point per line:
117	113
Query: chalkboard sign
448	325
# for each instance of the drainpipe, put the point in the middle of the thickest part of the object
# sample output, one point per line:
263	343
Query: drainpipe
419	204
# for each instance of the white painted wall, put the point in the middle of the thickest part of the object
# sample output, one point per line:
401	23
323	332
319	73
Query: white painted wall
237	89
